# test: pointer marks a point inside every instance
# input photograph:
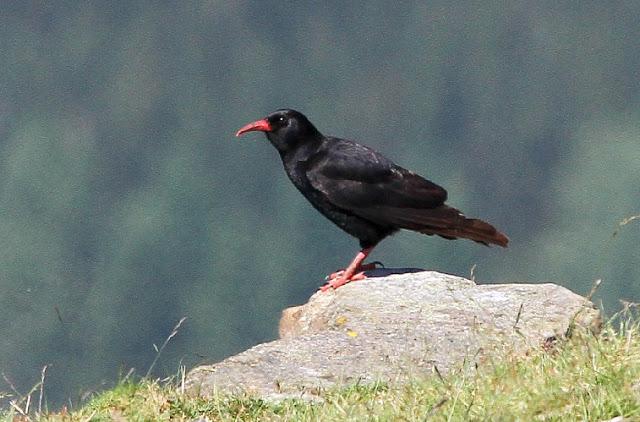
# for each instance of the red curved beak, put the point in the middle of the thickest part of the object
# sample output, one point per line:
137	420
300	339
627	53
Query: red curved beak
259	125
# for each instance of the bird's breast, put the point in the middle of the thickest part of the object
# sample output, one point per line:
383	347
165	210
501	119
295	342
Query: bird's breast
296	171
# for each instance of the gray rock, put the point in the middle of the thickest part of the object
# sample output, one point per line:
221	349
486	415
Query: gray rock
395	328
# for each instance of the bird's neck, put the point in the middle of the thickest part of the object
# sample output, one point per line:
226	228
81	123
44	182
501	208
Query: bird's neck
302	148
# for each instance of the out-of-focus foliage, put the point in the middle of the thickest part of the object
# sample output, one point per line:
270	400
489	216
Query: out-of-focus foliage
126	202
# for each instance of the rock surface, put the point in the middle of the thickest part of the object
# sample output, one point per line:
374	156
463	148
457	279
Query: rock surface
394	328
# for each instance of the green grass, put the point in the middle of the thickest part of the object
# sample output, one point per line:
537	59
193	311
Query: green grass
588	377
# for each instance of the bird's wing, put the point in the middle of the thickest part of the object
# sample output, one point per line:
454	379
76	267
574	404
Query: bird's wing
355	177
367	184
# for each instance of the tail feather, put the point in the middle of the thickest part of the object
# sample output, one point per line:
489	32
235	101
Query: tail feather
450	223
443	221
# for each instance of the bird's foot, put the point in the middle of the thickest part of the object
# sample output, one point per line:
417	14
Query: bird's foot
341	280
364	267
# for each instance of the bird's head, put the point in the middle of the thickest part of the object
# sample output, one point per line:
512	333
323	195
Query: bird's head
285	129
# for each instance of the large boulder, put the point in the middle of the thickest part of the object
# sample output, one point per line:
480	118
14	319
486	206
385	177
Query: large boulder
395	328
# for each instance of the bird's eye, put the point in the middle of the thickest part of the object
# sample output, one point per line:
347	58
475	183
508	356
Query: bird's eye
282	119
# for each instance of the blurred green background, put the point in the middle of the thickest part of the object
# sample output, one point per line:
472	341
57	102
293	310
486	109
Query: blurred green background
127	203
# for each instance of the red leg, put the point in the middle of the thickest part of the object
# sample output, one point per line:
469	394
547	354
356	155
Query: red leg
352	273
363	267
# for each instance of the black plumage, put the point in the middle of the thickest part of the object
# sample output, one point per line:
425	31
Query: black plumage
362	191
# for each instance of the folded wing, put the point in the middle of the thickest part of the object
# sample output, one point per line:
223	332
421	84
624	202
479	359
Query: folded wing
362	181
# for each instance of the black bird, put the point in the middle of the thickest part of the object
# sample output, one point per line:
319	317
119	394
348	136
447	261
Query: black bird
362	191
